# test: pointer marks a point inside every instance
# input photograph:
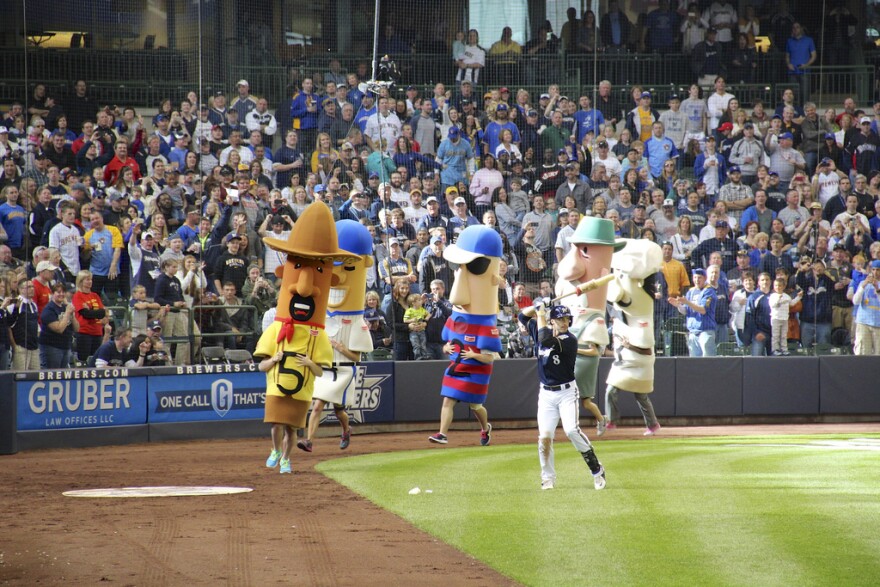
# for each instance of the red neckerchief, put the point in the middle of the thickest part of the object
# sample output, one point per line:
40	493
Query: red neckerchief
286	331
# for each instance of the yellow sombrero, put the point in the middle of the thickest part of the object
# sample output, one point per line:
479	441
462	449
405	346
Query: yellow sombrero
313	237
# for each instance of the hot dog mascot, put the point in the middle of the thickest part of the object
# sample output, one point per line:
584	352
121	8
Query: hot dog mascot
295	349
471	332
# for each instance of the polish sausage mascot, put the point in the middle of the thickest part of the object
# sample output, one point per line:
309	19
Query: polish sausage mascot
471	332
632	293
295	349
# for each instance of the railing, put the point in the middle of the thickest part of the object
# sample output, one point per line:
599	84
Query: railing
143	76
202	336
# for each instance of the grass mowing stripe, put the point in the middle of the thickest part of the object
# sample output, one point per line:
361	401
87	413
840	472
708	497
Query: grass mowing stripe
675	512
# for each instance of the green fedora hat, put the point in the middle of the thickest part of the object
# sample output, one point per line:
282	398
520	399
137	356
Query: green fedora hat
596	231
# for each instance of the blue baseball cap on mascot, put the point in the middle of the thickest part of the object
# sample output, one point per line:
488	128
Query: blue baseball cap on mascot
473	242
354	238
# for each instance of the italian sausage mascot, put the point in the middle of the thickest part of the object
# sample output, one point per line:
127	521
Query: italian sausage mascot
295	349
580	287
632	293
471	332
348	331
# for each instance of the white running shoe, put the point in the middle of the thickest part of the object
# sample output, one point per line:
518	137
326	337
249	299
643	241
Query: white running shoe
599	479
547	484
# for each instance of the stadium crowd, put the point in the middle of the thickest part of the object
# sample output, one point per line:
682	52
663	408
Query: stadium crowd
125	240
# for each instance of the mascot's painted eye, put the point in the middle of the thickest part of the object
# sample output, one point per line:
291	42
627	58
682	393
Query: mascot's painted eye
349	267
298	266
320	269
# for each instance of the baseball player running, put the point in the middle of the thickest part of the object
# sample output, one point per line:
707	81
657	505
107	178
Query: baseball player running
556	351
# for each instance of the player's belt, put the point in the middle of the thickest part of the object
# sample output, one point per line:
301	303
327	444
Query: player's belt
346	364
559	387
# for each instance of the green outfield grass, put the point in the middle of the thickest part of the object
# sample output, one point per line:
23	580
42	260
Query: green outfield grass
793	510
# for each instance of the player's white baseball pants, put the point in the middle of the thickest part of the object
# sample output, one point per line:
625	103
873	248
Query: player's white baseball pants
554	405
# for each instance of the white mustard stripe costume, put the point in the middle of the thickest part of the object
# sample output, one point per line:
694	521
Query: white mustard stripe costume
352	332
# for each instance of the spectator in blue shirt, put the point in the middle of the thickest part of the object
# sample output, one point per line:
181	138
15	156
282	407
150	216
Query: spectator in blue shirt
453	156
698	305
659	149
662	25
800	53
12	217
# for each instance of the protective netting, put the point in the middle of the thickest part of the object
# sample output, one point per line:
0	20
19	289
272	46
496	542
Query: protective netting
211	89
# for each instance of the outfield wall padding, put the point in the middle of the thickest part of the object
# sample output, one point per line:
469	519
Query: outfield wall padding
774	387
8	415
83	437
78	408
849	385
708	386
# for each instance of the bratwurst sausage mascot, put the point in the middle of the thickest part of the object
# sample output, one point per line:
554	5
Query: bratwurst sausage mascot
348	331
588	259
471	332
295	348
632	292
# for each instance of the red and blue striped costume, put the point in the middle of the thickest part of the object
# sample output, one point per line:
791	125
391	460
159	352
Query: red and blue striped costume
467	380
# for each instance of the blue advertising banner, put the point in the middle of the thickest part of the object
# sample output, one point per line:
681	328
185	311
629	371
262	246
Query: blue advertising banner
370	395
207	397
81	399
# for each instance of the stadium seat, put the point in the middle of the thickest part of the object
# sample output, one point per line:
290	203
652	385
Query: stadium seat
825	349
212	355
381	355
729	349
238	356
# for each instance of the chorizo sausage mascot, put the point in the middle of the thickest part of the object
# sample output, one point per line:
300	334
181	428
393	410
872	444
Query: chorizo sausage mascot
471	332
348	331
295	349
588	259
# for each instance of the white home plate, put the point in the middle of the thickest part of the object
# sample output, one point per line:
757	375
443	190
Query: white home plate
167	491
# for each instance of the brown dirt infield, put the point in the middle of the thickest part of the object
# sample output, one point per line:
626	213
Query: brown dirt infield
300	529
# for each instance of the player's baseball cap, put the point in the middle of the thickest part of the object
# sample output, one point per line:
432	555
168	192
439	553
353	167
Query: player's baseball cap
560	311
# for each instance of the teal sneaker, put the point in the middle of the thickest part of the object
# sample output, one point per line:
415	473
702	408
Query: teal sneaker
273	459
285	466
